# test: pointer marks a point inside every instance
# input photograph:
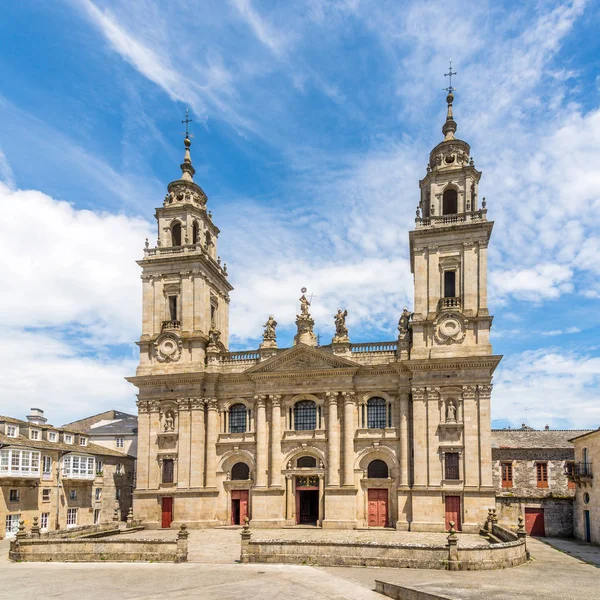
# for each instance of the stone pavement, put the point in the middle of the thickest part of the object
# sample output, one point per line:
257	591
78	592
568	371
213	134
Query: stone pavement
587	552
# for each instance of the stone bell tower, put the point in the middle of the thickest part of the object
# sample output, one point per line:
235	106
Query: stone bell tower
185	305
448	252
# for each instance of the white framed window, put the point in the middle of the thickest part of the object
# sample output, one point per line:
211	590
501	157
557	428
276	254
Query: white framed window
82	441
47	465
96	516
46	495
12	525
68	438
52	436
98	494
73	494
44	520
120	442
71	517
22	463
78	467
35	434
12	431
14	495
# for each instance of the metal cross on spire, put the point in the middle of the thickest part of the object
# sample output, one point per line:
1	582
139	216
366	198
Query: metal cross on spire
187	121
449	74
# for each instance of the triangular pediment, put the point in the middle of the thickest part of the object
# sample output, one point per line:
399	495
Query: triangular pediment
302	358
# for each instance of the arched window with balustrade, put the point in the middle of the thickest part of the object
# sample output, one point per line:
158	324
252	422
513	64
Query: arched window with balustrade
450	202
376	413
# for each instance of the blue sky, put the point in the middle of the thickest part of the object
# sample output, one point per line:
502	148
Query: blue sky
313	123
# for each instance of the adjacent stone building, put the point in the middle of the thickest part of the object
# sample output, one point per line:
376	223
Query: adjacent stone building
531	469
586	510
59	476
112	429
345	435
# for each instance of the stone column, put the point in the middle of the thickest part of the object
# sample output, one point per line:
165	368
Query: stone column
147	304
261	441
469	278
197	454
276	440
183	428
435	292
186	298
348	438
289	498
404	447
485	434
321	497
434	467
333	441
211	443
419	400
143	458
483	307
471	436
154	427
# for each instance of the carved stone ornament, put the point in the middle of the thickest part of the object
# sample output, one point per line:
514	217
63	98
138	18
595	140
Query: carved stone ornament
167	347
181	192
450	328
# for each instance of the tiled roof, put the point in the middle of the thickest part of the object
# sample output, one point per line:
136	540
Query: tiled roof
534	438
579	434
127	426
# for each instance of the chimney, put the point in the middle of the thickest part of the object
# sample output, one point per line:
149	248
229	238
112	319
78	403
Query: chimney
37	416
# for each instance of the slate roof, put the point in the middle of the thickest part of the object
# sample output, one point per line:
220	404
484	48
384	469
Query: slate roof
126	426
535	438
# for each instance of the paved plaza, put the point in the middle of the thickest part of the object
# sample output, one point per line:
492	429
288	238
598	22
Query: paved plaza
213	574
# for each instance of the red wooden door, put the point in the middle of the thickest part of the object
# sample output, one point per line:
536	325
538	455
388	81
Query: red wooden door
453	512
167	512
378	500
534	521
243	505
239	506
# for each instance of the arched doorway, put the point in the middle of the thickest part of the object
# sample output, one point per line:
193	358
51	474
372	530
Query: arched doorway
377	498
239	497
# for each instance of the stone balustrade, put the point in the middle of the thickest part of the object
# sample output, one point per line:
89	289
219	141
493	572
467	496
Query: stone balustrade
445	220
370	347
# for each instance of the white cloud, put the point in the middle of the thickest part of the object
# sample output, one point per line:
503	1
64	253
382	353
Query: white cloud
548	387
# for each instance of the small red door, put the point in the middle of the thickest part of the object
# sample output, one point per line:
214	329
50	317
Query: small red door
378	500
239	506
167	512
534	521
453	512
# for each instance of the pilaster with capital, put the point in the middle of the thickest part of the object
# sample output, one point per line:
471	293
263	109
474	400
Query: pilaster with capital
349	428
275	440
198	453
154	429
333	440
434	470
289	498
143	464
211	442
261	441
485	433
184	437
419	416
471	435
404	448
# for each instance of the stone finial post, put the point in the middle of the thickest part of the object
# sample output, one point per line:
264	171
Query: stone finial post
246	535
35	528
116	517
21	534
182	544
453	562
522	534
488	522
130	518
494	517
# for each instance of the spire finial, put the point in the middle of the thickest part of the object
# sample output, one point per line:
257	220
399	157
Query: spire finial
449	127
187	170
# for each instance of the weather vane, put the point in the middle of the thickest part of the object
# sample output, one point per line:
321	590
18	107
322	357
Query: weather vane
187	121
449	74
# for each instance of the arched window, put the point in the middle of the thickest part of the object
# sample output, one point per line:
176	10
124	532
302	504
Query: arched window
195	233
377	469
240	471
176	234
306	462
237	418
376	413
305	415
450	202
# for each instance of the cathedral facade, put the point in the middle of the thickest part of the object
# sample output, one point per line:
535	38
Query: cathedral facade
346	435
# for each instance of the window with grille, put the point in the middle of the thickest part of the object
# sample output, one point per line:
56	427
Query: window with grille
240	471
237	418
21	463
452	465
377	469
305	415
376	413
507	475
167	470
44	519
542	474
71	517
12	524
120	442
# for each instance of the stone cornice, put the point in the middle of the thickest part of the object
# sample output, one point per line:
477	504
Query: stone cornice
443	364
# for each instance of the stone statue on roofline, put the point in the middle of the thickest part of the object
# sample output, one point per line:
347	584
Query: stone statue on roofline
403	323
304	304
341	331
270	325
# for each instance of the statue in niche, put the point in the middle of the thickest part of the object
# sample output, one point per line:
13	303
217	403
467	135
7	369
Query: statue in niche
304	304
270	325
451	412
341	331
404	320
169	421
